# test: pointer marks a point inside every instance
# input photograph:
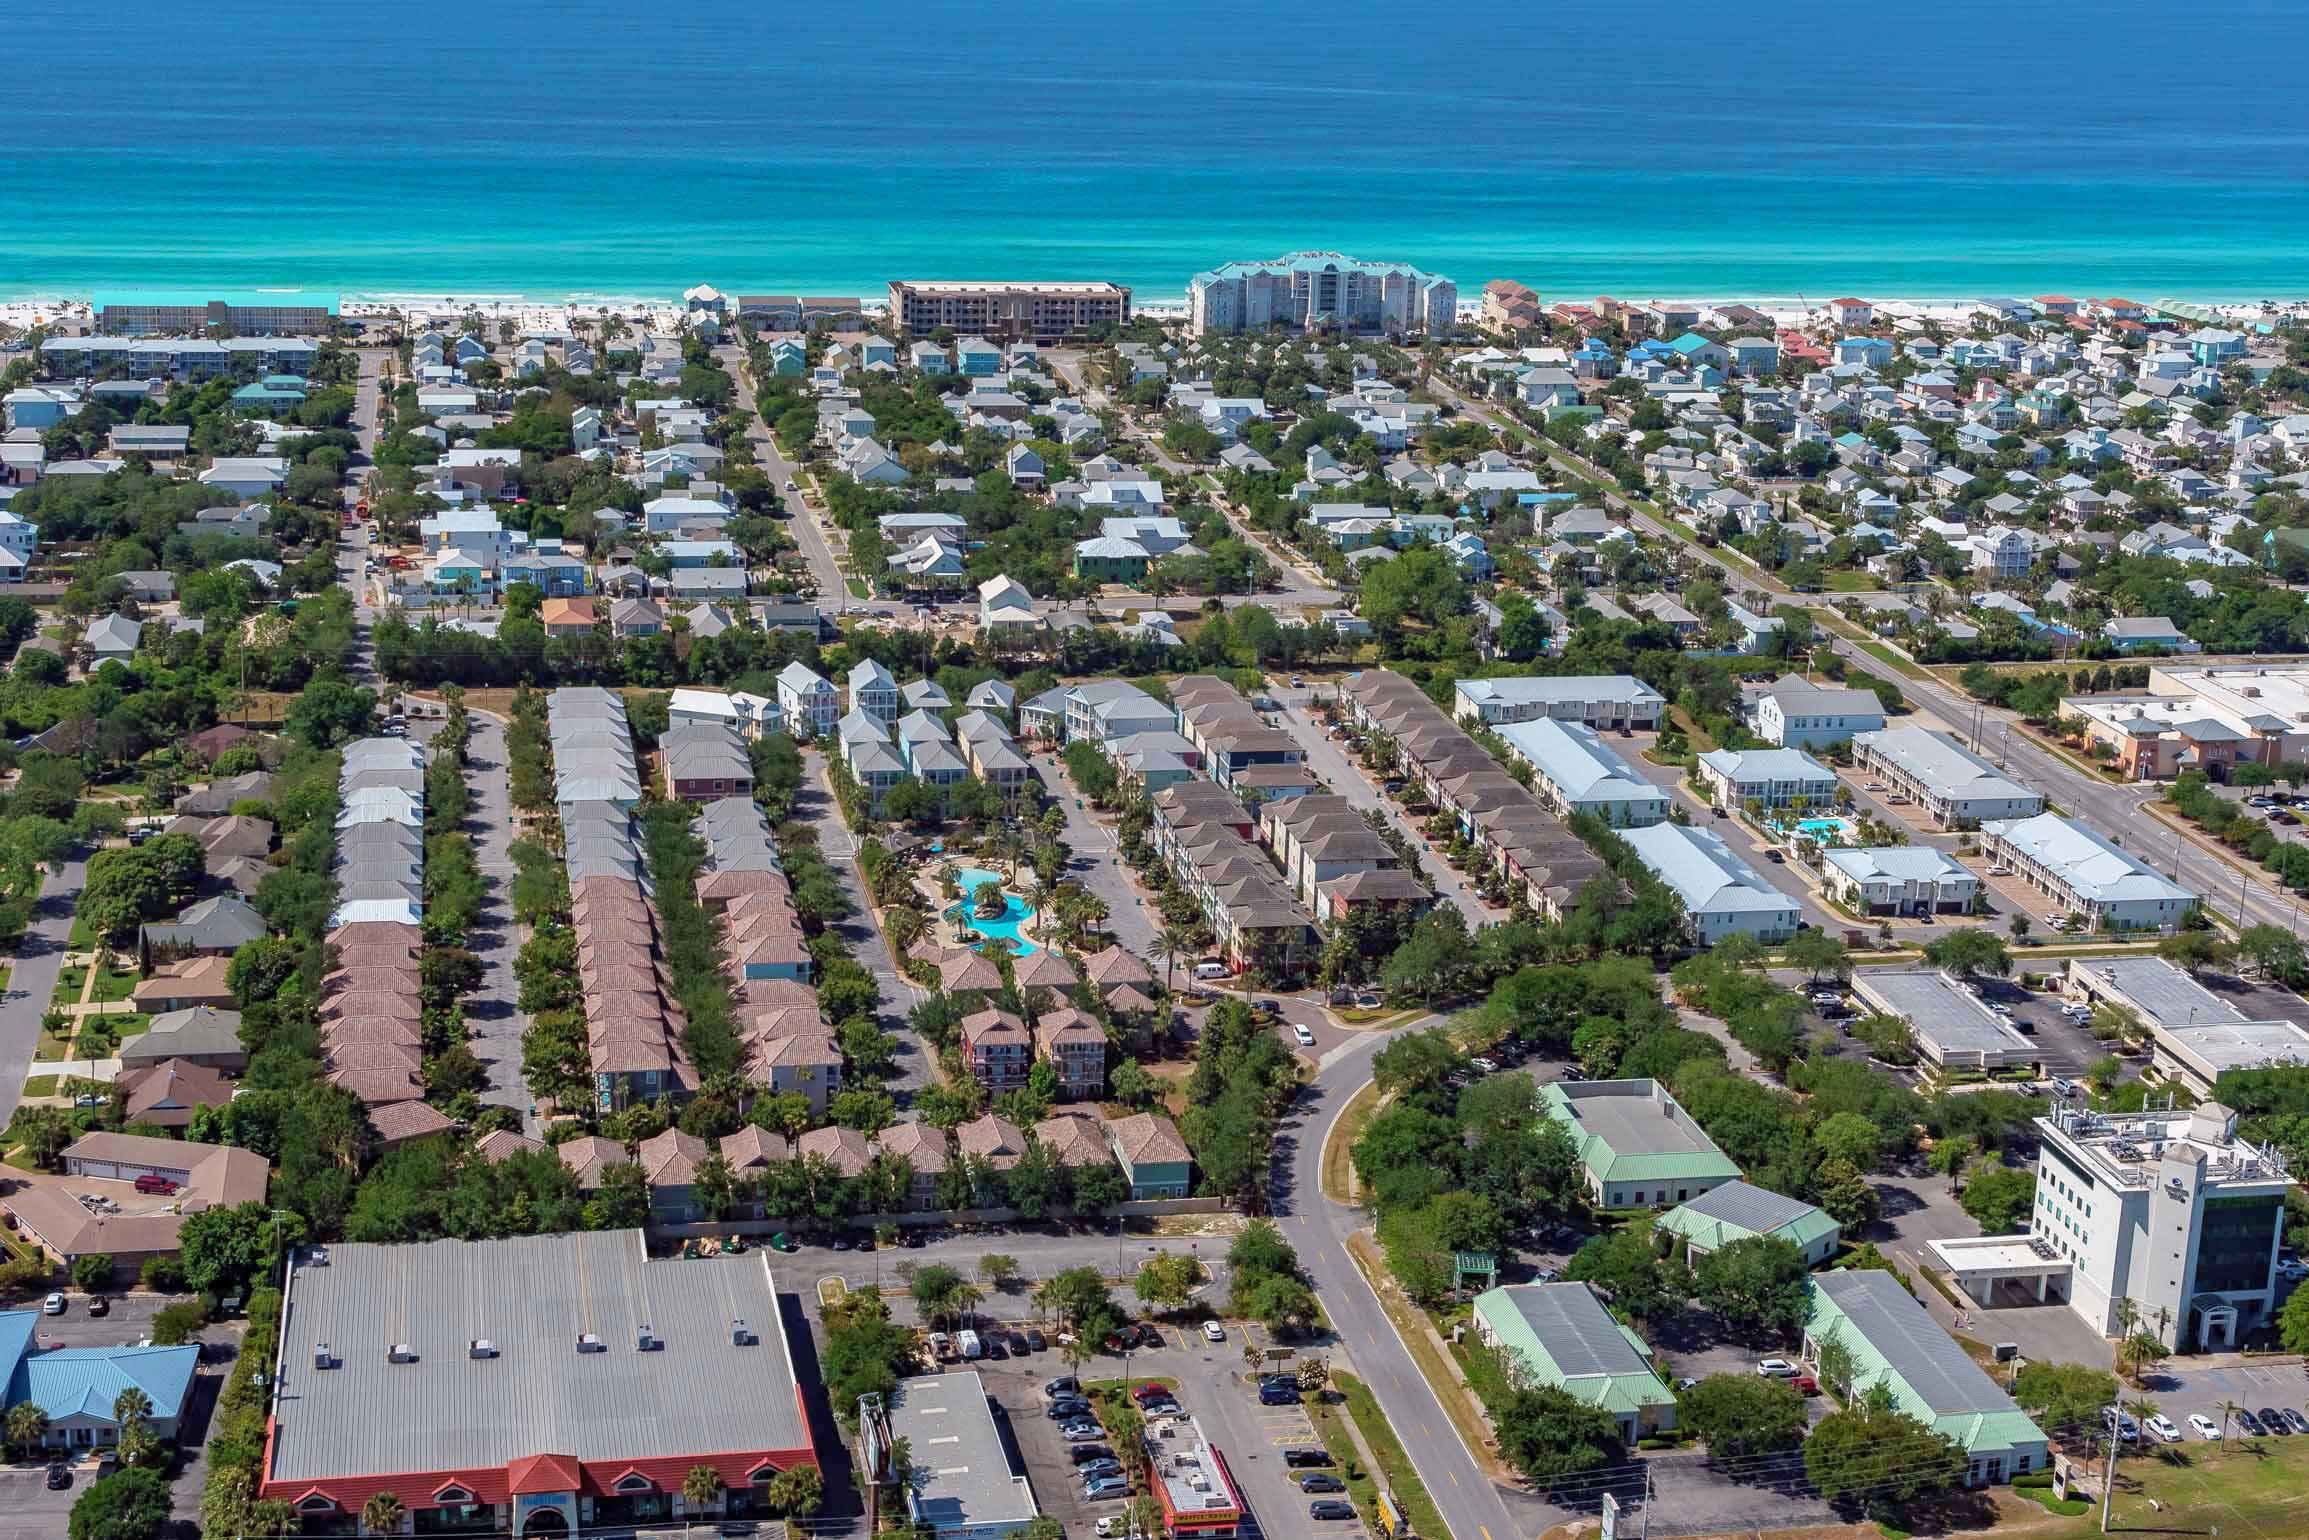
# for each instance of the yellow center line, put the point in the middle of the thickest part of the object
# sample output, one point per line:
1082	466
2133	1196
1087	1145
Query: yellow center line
1485	1533
1454	1475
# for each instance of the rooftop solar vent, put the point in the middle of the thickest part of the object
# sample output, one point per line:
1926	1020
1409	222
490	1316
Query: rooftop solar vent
646	1341
480	1347
400	1353
587	1342
742	1335
322	1359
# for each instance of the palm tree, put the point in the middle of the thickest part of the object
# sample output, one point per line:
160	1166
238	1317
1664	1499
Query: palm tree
27	1426
904	924
382	1514
131	1405
701	1489
965	1299
1172	941
2228	1411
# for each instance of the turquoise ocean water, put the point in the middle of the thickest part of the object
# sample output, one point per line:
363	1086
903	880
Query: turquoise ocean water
1644	147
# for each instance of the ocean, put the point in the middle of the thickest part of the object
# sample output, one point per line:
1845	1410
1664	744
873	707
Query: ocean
1663	148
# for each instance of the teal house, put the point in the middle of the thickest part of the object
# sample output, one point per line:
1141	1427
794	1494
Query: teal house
270	396
1560	1334
788	357
1738	1211
1153	1156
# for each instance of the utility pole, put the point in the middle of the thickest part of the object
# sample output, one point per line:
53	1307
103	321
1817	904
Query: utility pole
2109	1470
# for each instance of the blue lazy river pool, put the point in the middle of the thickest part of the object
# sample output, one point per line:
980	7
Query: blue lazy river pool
1014	911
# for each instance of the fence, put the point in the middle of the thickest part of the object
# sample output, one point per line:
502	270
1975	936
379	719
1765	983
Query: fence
1141	1208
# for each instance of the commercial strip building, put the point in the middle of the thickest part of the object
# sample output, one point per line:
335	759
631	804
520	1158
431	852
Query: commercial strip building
1192	1483
2084	874
1560	1335
1740	1211
1722	895
489	1384
963	1486
1007	312
1315	291
2194	717
248	313
1953	1029
1774	779
1895	1344
1519	838
1950	783
1899	879
2195	1035
1599	700
1574	773
2172	1210
1637	1146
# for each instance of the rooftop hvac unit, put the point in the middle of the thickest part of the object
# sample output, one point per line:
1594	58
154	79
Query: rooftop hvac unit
742	1335
646	1341
480	1347
317	1256
587	1342
400	1353
321	1356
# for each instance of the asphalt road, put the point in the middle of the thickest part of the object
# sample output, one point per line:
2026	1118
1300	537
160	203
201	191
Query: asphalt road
833	592
491	1016
814	805
32	978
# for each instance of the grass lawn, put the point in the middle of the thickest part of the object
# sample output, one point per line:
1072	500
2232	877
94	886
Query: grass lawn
2248	1487
1474	1428
1886	655
1402	1480
83	937
1331	1426
40	1085
69	983
115	983
857	588
1845	580
1339	1149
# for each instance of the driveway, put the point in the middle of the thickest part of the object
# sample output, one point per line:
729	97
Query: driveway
32	978
814	805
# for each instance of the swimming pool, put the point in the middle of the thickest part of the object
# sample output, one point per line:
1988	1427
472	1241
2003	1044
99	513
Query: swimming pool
1826	829
1014	910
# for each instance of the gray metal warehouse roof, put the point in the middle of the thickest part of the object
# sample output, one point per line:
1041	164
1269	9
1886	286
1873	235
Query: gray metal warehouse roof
530	1297
962	1474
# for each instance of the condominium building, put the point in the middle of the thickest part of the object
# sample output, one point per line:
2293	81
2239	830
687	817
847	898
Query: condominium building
1949	782
249	313
1008	312
1321	291
1599	700
1574	772
2084	874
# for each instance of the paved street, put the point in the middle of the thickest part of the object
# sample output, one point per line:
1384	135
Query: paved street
833	592
495	1021
814	805
32	978
1345	776
1097	864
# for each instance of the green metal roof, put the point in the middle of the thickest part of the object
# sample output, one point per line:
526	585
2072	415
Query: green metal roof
1894	1341
1619	1144
1737	1211
1563	1331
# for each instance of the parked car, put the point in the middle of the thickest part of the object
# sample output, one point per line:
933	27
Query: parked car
1321	1481
1776	1368
2295	1422
2127	1429
1094	1469
2203	1426
1035	1340
52	1305
1064	1385
1067	1409
1080	1432
1214	1332
1300	1031
1016	1341
1278	1395
2273	1421
1083	1454
1100	1488
59	1476
1306	1454
2161	1426
969	1345
2250	1423
1145	1393
99	1305
941	1345
1330	1508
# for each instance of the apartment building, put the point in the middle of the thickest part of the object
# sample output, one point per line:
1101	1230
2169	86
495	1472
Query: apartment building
2082	873
1598	700
246	313
1951	783
1008	312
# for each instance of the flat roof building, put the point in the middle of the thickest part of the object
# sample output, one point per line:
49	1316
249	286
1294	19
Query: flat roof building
1637	1145
2196	1036
1954	1030
1008	312
2085	874
1560	1334
963	1486
247	313
568	1373
1895	1344
1949	782
1599	700
1739	1211
1321	291
1722	895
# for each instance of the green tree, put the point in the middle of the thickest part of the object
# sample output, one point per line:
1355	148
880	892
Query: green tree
129	1504
1167	1279
1870	1456
1757	1284
2064	1395
1738	1415
1850	1137
1968	953
1627	1266
1552	1436
2293	1322
1819	954
1999	1198
92	1271
27	1425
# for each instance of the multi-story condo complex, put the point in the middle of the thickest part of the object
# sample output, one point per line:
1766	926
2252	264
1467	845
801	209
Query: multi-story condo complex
1008	312
1321	291
251	313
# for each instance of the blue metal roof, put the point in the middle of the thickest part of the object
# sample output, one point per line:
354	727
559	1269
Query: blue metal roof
65	1382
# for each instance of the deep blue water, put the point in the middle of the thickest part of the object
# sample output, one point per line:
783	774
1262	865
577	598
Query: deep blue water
1646	147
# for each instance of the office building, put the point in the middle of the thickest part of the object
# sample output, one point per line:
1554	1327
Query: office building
1008	312
487	1384
1318	291
1740	1211
1637	1145
1560	1335
2170	1209
2195	1035
1954	1030
246	313
963	1486
1895	1344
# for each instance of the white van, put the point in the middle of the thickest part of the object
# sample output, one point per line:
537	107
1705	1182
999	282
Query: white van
1210	970
970	1346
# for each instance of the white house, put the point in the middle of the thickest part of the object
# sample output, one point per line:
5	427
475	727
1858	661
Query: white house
810	704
